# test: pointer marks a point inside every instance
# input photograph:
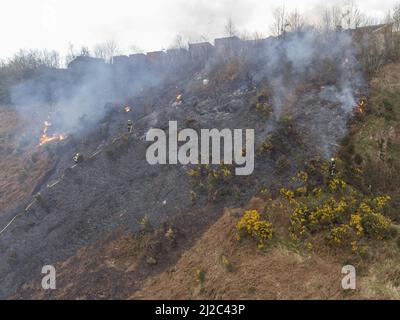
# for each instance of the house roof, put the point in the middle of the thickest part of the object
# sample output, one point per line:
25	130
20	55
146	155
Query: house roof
200	44
372	29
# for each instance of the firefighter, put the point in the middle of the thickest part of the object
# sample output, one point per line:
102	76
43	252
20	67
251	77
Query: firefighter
78	158
382	149
130	126
332	167
39	199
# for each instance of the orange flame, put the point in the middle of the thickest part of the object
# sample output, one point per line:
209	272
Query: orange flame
179	98
128	109
44	138
361	105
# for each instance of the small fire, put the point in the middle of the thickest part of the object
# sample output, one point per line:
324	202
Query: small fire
45	138
128	109
361	105
179	98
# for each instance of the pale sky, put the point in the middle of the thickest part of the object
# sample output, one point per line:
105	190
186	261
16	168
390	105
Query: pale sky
147	24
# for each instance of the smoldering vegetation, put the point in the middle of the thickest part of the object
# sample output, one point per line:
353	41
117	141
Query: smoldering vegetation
80	96
321	66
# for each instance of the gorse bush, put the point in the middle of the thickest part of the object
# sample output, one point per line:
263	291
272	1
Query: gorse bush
215	179
252	225
344	215
145	224
260	103
226	263
267	145
263	108
200	276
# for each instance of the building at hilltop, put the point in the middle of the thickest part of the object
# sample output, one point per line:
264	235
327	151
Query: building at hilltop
177	56
137	59
156	58
201	51
84	62
377	35
228	47
121	60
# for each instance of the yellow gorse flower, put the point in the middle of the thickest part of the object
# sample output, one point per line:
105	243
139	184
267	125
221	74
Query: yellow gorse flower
252	225
355	221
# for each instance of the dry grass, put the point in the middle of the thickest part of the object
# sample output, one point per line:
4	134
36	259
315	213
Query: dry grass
22	165
388	79
279	272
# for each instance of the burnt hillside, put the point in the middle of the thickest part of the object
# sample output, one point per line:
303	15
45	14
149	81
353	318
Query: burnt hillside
297	93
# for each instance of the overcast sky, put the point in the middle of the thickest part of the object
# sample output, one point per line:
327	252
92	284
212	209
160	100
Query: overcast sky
145	24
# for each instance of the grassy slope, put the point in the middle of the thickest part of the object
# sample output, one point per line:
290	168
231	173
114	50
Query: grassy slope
280	272
248	273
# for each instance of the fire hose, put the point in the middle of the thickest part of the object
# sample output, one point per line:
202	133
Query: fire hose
16	216
49	186
12	220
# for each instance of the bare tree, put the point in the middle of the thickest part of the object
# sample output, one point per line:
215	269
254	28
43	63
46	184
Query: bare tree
112	48
100	52
280	23
33	59
331	18
352	16
258	36
392	40
51	59
284	21
295	22
178	43
71	55
395	18
106	50
85	52
230	28
347	17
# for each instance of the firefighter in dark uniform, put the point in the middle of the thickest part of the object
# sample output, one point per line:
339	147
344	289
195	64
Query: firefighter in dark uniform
130	126
382	149
332	167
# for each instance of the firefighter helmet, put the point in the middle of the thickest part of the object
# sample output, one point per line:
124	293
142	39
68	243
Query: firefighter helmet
78	158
